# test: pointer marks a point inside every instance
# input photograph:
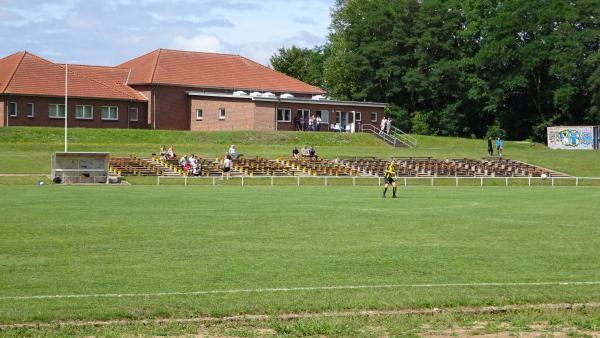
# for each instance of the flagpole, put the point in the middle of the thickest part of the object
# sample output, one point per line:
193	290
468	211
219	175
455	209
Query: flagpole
66	88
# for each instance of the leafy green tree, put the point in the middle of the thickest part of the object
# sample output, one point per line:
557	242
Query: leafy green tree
462	67
301	63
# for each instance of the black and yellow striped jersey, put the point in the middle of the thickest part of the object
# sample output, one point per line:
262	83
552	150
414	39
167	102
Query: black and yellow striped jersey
390	171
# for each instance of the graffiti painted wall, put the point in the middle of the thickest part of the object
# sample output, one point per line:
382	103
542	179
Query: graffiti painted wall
576	138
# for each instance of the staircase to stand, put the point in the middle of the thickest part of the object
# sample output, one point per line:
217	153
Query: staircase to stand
395	138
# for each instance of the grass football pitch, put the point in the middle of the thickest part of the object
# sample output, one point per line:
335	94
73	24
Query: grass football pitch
97	253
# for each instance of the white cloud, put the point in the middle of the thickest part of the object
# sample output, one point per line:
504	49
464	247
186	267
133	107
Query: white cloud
198	43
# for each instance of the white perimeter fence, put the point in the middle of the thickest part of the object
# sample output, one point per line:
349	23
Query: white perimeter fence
367	181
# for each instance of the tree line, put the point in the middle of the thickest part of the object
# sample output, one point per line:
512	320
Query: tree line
469	68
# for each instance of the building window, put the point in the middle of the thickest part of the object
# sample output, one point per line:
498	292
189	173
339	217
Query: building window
357	116
133	114
56	111
338	117
12	109
305	113
373	117
30	110
110	113
221	113
199	114
284	115
324	116
84	112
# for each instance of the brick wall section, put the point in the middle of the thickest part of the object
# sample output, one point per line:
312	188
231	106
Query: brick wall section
172	107
147	92
239	114
365	118
41	118
264	116
2	116
245	114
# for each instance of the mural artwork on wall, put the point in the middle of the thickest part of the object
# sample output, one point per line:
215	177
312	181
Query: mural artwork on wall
571	137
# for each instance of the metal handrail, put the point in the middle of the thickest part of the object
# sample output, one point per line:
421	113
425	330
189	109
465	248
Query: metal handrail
409	140
389	138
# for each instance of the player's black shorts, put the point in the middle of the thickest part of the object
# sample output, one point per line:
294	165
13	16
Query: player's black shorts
226	169
390	179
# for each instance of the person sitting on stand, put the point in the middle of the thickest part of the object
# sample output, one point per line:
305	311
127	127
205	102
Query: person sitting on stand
163	153
305	151
233	153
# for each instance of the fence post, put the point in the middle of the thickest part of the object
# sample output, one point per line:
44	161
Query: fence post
354	181
432	181
379	181
481	178
552	181
506	178
271	180
298	180
325	180
214	183
456	180
529	181
576	181
242	181
157	180
405	181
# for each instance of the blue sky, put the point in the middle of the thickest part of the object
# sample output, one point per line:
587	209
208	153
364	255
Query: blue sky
108	32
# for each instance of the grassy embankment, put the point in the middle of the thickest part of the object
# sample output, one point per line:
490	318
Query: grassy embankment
28	150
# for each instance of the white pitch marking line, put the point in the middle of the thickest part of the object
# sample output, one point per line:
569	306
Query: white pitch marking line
308	288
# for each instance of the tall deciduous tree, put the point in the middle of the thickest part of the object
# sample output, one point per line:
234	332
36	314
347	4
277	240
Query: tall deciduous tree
464	67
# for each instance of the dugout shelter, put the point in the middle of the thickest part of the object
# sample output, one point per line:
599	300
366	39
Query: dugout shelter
80	167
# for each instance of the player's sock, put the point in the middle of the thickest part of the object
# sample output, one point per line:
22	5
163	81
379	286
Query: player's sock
394	190
384	191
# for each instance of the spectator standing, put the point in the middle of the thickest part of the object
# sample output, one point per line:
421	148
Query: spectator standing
382	125
318	122
388	125
297	122
295	153
499	145
490	148
226	167
312	152
301	121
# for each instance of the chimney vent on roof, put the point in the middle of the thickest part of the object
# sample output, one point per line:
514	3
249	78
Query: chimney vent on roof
255	94
268	94
239	93
287	96
319	97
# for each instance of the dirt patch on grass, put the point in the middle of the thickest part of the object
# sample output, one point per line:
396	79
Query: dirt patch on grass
506	330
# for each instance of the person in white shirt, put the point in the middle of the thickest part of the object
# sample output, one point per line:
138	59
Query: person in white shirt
232	152
382	125
226	167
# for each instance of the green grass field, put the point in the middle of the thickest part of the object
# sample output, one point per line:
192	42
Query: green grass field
146	252
252	250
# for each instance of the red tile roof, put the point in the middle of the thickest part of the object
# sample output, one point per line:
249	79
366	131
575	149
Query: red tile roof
211	70
26	74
